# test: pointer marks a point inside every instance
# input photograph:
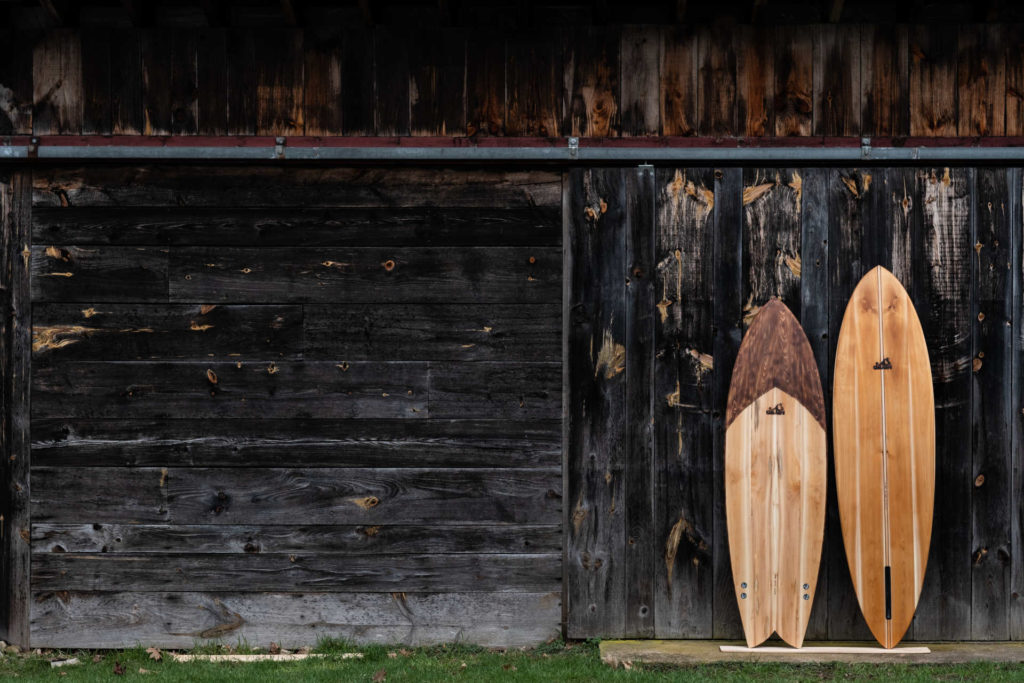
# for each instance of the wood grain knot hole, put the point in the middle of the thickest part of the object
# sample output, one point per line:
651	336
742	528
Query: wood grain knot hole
389	265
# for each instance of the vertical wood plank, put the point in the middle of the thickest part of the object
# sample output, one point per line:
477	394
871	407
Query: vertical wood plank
485	84
728	327
16	82
57	84
127	110
321	73
794	81
716	83
1013	55
814	307
992	364
241	68
15	370
279	83
212	82
683	399
885	74
755	81
597	431
391	81
678	87
640	545
357	79
771	238
942	296
640	76
170	82
981	80
96	82
1016	222
534	72
836	74
592	81
932	52
437	82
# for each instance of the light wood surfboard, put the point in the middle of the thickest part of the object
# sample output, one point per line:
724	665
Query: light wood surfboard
883	433
775	477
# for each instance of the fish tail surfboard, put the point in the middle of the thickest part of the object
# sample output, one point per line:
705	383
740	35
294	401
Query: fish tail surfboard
775	476
883	432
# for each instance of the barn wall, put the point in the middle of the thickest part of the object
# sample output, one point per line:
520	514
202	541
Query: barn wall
609	81
668	267
277	404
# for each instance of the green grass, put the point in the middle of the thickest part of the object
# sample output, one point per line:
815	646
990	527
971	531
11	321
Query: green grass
552	662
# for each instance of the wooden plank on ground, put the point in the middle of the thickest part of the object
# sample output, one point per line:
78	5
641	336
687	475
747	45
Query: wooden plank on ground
301	442
682	387
595	535
176	619
885	87
836	74
57	83
242	495
933	69
942	296
992	315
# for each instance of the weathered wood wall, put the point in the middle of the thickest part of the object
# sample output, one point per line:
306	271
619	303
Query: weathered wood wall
647	550
277	404
608	81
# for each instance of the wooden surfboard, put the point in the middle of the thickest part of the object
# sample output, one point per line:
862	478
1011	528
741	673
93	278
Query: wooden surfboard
883	432
775	476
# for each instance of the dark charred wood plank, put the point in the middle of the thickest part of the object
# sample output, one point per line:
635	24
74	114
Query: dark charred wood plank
942	296
933	69
981	80
992	364
1014	213
265	186
678	89
597	430
15	371
356	275
170	82
242	495
57	84
126	81
716	82
837	73
755	81
391	81
357	83
1014	64
96	82
323	48
885	86
212	94
457	332
683	366
16	57
592	82
641	547
437	82
300	442
279	82
514	391
99	275
220	389
771	238
63	332
223	539
640	65
534	84
727	317
299	571
179	619
355	227
241	82
794	81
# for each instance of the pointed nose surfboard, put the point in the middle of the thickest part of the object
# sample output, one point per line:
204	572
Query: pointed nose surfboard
775	477
883	434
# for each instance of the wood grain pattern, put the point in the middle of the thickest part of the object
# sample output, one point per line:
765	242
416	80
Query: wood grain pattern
933	107
794	82
678	87
884	439
775	478
57	84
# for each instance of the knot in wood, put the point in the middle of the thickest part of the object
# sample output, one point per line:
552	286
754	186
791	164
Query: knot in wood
389	265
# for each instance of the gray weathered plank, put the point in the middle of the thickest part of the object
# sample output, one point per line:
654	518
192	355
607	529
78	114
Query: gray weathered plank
1014	212
771	238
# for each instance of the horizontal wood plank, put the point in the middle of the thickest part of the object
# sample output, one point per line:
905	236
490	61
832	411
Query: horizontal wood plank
137	331
458	332
365	275
308	540
268	186
299	443
219	389
338	227
179	619
172	495
516	391
99	275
